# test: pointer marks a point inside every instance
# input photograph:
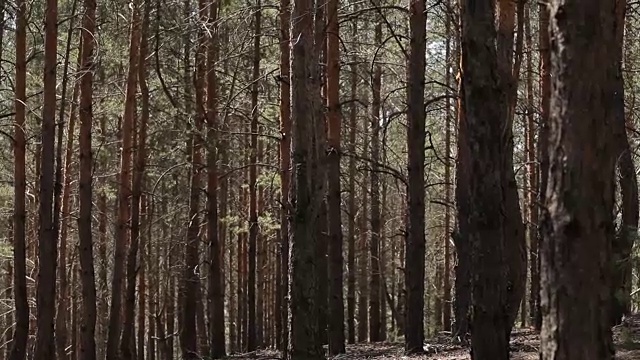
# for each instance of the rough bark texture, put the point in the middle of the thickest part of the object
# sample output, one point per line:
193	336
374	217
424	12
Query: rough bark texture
493	230
351	256
415	253
304	333
578	223
625	237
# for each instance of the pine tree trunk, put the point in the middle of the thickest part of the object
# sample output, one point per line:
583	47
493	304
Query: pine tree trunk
47	241
351	257
21	329
415	241
578	221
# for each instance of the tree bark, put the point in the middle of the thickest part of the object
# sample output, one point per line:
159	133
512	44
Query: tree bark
47	241
87	276
334	121
415	240
124	188
578	221
304	333
494	222
21	329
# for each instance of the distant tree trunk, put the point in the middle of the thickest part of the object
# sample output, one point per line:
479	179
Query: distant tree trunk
127	342
47	241
351	257
336	298
304	341
216	255
578	221
493	228
253	173
87	276
191	285
446	283
543	156
532	173
415	240
376	227
61	185
363	259
285	175
124	188
625	238
21	329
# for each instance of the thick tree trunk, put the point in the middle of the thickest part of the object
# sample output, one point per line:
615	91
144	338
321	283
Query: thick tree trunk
494	222
304	341
415	240
578	222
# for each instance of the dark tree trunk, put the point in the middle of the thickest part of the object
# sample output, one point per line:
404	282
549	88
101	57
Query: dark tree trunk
21	329
493	210
578	221
415	240
304	340
47	240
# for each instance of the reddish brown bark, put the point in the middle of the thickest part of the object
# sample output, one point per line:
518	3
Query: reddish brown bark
21	329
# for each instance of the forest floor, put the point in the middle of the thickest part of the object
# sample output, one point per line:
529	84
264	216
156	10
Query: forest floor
524	346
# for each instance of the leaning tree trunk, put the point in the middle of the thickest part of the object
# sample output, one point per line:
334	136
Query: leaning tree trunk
578	221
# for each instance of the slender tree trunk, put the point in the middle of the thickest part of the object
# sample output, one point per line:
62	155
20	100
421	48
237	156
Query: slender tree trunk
253	173
578	221
363	266
87	276
446	283
543	154
374	245
624	240
61	186
21	329
216	255
414	261
47	240
351	257
336	299
124	189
